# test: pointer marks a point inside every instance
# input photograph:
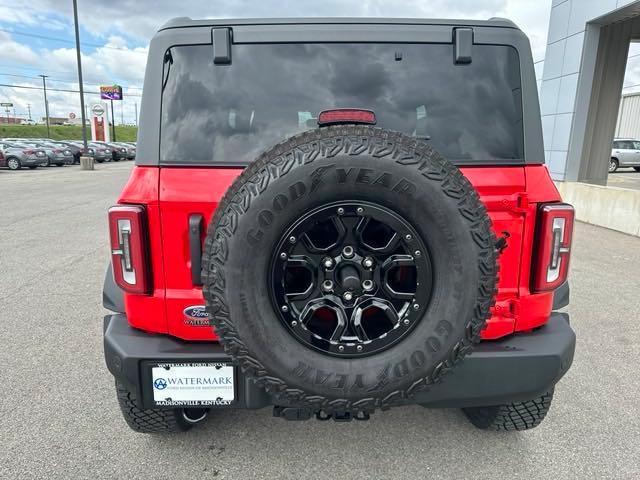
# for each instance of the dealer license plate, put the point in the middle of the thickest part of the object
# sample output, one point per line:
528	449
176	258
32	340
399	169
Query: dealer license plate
193	384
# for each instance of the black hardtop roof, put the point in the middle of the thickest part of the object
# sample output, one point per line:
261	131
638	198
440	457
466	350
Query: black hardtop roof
186	22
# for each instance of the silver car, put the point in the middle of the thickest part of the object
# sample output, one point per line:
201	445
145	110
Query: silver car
18	155
56	154
625	153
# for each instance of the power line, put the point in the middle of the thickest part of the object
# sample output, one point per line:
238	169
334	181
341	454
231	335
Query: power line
57	80
65	90
63	40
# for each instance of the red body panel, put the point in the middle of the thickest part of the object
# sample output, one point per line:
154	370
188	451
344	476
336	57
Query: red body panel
171	195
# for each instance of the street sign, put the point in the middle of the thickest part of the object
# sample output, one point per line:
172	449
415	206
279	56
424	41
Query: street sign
97	110
6	104
72	115
113	92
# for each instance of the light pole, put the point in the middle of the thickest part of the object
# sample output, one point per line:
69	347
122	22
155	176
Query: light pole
113	122
75	23
136	105
46	104
29	108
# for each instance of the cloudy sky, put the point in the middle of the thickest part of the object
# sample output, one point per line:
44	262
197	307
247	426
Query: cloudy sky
36	37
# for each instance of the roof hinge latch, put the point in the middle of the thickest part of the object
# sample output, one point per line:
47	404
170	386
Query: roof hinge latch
221	38
462	43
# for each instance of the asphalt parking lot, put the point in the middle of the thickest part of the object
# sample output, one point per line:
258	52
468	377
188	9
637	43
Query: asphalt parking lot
59	417
624	178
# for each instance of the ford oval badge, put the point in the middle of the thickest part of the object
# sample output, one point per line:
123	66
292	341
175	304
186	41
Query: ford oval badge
196	316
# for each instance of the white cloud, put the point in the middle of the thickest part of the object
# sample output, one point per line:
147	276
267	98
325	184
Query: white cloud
124	25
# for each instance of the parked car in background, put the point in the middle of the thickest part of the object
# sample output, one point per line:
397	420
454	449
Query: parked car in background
625	153
18	155
127	149
76	150
118	152
99	152
58	154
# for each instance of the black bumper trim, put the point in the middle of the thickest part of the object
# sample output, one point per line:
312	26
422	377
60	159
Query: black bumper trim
517	368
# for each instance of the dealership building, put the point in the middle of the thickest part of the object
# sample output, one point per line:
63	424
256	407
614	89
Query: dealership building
580	98
581	86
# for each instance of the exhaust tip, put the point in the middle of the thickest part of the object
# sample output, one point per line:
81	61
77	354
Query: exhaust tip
194	415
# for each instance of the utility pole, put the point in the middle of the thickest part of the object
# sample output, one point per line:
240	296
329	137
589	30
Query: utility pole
136	106
121	112
29	108
75	23
113	122
46	104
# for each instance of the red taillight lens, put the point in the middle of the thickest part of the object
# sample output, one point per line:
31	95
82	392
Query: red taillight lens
554	235
127	231
346	115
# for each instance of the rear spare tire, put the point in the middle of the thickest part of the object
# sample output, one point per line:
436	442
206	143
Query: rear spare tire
348	268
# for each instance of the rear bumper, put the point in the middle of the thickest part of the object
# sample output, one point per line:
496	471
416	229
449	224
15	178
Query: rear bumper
517	368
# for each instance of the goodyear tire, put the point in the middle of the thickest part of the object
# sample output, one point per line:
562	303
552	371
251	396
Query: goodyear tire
374	167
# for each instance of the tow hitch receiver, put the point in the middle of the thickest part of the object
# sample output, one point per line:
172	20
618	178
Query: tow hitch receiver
292	413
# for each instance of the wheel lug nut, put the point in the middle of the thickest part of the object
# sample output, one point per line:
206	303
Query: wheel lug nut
359	348
406	321
284	308
360	210
341	348
327	262
340	211
348	296
367	285
367	262
416	306
283	255
294	323
292	239
408	237
327	285
417	253
347	252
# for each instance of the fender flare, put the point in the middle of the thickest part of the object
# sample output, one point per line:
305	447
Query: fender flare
112	295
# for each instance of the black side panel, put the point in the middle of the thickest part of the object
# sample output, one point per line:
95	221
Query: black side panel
561	296
112	295
195	247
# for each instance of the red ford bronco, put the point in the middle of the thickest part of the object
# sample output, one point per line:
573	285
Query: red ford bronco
338	216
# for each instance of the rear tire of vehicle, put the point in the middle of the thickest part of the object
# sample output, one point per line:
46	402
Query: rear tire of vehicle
99	161
14	163
511	416
613	165
33	167
637	169
155	420
59	164
380	168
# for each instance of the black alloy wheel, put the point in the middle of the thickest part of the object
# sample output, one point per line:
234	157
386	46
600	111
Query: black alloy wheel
351	278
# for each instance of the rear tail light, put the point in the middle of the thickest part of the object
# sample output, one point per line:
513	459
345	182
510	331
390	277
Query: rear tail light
127	231
554	236
346	115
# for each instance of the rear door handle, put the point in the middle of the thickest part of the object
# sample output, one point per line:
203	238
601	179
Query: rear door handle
196	222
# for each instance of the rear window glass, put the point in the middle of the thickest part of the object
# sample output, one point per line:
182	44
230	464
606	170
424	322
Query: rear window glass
228	114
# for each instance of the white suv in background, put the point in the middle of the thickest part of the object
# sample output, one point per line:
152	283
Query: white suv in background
625	153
